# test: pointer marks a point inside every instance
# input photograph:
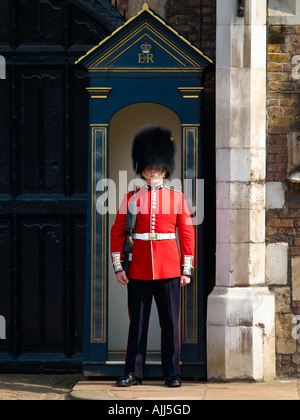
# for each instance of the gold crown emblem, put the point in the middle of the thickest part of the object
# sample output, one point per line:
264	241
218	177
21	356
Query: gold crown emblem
146	48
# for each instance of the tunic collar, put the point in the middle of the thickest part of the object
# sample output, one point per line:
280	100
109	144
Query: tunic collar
157	187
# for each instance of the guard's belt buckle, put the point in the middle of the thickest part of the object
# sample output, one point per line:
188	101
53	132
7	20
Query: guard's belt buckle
152	236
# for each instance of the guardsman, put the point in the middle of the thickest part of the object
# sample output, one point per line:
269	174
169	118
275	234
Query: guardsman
158	268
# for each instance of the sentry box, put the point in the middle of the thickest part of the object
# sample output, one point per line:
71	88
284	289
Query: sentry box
145	72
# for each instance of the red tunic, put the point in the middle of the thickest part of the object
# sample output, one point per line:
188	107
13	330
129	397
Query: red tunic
160	210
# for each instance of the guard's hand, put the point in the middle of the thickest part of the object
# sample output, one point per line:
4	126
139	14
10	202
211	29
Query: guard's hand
122	278
185	280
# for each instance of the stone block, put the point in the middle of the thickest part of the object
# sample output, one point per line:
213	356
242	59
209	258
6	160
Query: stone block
285	343
296	278
238	361
240	165
240	264
275	195
277	263
242	115
240	333
237	196
258	38
282	299
255	12
240	226
226	12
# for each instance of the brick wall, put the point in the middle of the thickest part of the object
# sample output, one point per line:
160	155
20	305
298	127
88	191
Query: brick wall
195	20
283	224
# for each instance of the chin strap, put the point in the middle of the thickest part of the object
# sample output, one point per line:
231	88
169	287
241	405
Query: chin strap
148	178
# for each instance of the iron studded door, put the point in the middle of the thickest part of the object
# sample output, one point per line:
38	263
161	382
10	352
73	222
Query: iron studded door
43	160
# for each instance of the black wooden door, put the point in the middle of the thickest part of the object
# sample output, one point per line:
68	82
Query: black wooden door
43	177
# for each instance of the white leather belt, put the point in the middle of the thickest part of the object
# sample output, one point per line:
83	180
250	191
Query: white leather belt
154	236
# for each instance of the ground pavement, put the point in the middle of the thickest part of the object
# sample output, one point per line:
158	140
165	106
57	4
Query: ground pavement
76	387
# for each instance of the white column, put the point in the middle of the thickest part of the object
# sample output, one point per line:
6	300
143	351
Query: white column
240	331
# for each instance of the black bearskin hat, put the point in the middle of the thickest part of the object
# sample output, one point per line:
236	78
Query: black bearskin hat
153	146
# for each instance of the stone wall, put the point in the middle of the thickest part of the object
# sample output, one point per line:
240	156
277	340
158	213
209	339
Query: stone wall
283	197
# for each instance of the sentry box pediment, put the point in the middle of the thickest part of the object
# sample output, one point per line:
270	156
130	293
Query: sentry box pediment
145	43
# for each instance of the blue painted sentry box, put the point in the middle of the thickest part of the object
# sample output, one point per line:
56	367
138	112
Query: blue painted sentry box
144	61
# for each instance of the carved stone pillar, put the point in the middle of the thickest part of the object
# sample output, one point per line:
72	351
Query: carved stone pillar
241	310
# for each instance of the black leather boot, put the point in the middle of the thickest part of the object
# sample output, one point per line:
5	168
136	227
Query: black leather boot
128	380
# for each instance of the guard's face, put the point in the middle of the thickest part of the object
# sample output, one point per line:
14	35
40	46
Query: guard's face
153	173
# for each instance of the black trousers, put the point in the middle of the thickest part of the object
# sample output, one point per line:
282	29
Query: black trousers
166	293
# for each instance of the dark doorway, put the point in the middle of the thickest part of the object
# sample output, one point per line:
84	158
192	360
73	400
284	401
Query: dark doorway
43	178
